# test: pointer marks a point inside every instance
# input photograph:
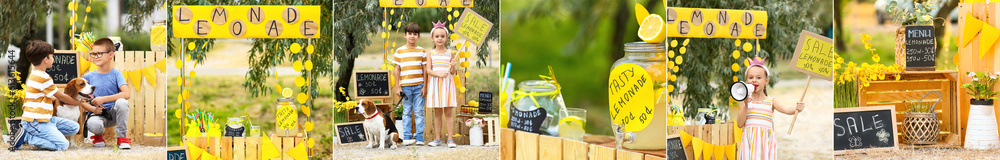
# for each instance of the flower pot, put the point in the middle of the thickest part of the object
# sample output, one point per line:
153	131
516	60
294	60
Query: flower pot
981	130
476	135
399	125
920	128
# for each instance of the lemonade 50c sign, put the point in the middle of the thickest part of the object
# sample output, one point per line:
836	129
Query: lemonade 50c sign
813	55
246	21
716	23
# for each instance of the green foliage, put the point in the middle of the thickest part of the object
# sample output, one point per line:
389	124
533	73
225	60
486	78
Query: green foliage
920	15
981	86
703	67
919	107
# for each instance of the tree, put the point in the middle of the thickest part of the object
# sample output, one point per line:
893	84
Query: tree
786	19
357	19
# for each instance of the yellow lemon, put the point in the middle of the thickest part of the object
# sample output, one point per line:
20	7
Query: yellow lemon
652	29
287	93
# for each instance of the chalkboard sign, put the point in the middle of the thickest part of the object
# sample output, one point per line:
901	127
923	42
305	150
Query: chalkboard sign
485	102
864	128
371	84
177	153
528	121
353	132
64	68
920	47
675	149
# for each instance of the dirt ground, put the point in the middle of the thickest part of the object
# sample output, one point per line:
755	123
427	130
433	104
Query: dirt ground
811	137
85	151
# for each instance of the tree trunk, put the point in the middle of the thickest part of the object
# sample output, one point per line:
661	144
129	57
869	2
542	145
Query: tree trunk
939	28
347	67
838	17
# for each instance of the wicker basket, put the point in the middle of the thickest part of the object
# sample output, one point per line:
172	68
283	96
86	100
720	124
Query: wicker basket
920	128
901	46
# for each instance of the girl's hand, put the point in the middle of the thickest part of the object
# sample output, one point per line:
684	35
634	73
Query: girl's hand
799	106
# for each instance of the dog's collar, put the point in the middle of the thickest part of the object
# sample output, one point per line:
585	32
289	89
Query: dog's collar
373	116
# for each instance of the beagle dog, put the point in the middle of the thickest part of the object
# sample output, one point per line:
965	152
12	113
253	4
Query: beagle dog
379	128
81	91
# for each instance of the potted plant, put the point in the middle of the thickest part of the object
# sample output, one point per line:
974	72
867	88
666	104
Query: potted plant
398	117
475	131
982	126
919	15
920	124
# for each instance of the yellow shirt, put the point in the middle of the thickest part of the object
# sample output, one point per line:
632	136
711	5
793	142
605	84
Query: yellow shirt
38	97
411	65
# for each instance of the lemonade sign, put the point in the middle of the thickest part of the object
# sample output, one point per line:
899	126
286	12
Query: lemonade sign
473	26
716	23
630	97
813	55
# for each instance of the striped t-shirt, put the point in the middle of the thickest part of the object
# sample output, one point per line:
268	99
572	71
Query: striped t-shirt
38	97
411	65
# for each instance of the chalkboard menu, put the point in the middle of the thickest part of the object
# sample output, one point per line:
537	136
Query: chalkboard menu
177	153
64	68
675	149
528	121
371	84
871	127
485	102
352	132
920	46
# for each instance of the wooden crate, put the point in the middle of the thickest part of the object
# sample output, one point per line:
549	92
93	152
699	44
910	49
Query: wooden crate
911	87
527	145
237	148
968	59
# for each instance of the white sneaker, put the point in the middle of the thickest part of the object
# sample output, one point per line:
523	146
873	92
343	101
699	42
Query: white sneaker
408	142
99	144
420	143
124	146
451	144
434	143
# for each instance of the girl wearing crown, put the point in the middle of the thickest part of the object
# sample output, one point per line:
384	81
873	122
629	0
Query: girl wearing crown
758	140
441	89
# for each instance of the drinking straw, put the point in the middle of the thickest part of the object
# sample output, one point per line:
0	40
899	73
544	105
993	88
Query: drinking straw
506	74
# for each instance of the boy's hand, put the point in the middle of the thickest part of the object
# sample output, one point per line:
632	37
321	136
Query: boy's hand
423	92
100	100
94	110
398	91
800	106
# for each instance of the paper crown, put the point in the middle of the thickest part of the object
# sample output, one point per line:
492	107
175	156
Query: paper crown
438	24
757	61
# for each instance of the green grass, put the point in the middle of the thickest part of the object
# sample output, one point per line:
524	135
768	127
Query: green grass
224	97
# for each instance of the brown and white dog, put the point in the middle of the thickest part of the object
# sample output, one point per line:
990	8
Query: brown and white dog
378	126
82	91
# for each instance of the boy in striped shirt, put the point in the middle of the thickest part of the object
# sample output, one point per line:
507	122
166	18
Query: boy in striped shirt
409	61
38	126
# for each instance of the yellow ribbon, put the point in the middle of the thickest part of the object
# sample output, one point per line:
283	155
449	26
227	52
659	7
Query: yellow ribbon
551	78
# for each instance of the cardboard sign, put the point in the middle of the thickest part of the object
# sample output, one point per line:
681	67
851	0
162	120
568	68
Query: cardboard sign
630	97
473	27
425	3
177	153
813	55
716	23
864	128
528	121
297	21
485	102
371	84
65	67
920	46
352	132
675	148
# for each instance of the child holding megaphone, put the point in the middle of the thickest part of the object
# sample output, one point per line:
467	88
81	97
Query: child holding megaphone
754	117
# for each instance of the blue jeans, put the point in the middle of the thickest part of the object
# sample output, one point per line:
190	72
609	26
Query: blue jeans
413	109
50	135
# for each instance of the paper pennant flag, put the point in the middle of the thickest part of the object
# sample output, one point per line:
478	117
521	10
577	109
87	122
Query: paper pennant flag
720	151
708	151
987	38
697	143
299	152
685	137
84	65
207	156
194	150
134	78
150	74
972	27
731	151
269	151
737	133
162	65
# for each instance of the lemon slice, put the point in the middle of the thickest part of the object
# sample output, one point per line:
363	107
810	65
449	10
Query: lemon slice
652	29
287	93
571	126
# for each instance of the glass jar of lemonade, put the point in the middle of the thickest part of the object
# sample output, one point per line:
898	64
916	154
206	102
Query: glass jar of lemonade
533	94
653	58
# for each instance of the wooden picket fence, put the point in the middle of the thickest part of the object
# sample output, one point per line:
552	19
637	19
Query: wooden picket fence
530	146
147	107
238	148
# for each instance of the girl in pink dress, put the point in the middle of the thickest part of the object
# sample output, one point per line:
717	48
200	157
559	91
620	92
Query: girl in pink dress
758	141
441	89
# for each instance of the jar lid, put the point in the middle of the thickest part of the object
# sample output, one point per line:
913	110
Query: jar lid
284	99
645	47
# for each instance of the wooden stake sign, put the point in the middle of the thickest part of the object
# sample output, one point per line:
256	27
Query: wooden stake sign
814	57
473	27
